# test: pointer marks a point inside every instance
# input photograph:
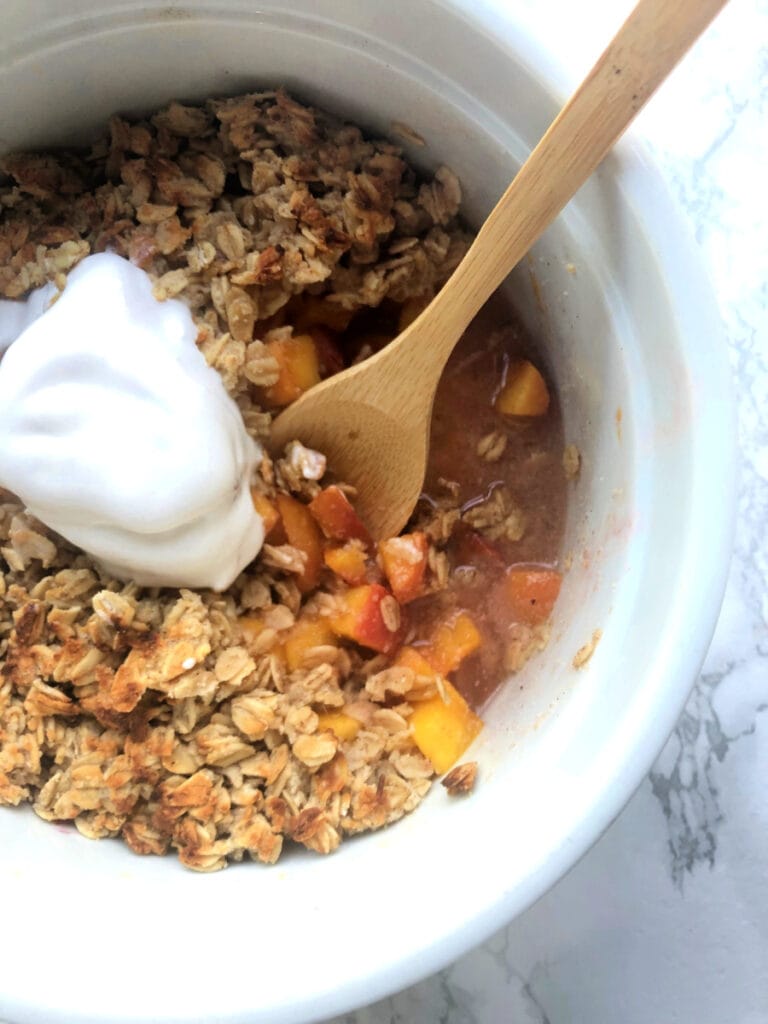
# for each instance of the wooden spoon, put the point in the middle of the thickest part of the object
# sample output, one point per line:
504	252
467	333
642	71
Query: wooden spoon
373	420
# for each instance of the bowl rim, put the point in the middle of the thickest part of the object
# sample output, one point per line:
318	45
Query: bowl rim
645	187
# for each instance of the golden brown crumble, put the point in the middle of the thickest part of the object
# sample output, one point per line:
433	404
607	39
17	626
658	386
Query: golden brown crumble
461	779
585	652
154	715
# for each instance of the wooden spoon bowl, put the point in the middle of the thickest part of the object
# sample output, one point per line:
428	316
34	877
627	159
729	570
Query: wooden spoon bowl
372	421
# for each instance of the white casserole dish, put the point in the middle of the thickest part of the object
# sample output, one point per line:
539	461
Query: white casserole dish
92	933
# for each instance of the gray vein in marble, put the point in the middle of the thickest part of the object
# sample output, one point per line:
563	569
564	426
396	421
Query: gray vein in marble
685	778
688	792
453	996
525	999
703	194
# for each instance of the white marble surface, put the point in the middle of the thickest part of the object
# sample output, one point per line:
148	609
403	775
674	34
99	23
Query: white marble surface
665	921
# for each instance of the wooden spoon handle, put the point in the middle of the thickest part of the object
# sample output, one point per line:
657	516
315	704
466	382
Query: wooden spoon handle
645	49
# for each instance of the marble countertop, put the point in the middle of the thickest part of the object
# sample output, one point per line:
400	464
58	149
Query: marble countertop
666	919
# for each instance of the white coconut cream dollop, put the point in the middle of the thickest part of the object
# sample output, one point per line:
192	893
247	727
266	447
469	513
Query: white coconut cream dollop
116	433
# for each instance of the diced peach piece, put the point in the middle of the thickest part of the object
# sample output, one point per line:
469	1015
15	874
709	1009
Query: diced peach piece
404	560
443	729
452	642
268	512
251	627
301	532
302	637
298	365
336	517
410	657
411	309
359	617
468	547
525	392
319	311
342	725
530	594
348	562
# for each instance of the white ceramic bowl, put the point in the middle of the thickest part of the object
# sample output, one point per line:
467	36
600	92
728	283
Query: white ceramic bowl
91	932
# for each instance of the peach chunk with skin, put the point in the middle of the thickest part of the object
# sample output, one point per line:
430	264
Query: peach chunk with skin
266	509
359	617
525	392
404	561
302	637
301	532
348	562
298	367
443	727
530	593
336	516
453	641
468	547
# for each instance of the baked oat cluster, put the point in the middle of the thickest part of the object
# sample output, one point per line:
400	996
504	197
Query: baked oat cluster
163	716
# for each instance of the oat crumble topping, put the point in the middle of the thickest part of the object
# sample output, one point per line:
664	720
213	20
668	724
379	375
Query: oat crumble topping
165	716
154	714
461	780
